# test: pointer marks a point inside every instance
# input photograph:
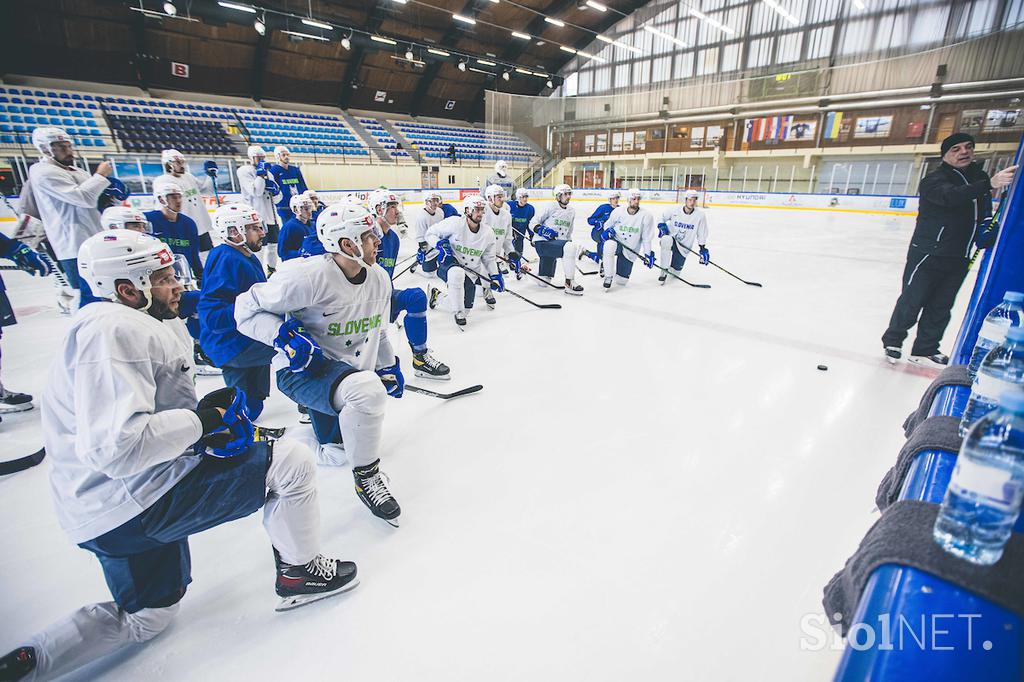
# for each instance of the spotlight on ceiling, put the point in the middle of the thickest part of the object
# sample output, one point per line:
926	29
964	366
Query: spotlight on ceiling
169	8
505	75
550	84
346	43
462	65
409	55
260	25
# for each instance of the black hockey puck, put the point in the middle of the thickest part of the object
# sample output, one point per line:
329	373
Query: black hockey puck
823	368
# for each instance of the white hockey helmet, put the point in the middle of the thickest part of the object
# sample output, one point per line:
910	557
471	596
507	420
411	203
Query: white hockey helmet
161	188
235	217
312	195
379	199
120	217
471	202
298	201
281	148
493	191
559	190
633	193
522	193
432	194
345	221
255	151
614	194
44	137
691	194
107	257
169	155
501	168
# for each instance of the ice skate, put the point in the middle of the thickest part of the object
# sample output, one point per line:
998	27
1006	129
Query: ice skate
427	366
15	402
372	489
937	360
321	578
204	367
18	664
573	289
892	354
435	294
489	299
460	320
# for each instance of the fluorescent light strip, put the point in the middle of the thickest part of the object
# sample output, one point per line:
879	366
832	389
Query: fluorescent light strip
240	8
635	50
307	35
524	72
411	61
596	5
439	53
485	62
782	12
381	39
713	22
521	36
317	24
153	13
604	39
401	2
587	55
666	36
565	48
465	20
554	22
486	73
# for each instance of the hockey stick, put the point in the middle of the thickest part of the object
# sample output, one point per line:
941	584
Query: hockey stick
410	258
539	279
665	270
27	462
543	306
43	248
753	284
443	396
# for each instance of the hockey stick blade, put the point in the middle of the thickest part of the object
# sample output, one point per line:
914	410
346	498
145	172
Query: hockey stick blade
444	396
753	284
665	270
542	306
539	279
22	463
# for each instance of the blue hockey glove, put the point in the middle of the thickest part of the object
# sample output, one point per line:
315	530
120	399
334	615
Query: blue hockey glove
115	193
608	233
515	262
444	251
498	282
705	256
987	233
262	168
545	232
210	167
271	187
392	378
649	260
662	229
27	259
235	437
189	304
304	354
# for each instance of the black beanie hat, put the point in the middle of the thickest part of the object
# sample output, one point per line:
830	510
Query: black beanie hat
955	139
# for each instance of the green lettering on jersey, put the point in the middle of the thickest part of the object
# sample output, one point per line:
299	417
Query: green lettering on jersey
361	326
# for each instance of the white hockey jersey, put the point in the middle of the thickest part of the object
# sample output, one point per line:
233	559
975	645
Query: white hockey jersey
66	200
422	220
686	228
557	218
637	231
192	203
474	250
501	224
506	183
253	189
348	320
117	416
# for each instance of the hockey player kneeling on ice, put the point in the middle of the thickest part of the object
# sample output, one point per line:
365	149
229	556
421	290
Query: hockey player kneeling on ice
498	217
596	221
327	315
384	206
522	214
138	464
552	239
679	228
465	247
422	219
629	226
232	269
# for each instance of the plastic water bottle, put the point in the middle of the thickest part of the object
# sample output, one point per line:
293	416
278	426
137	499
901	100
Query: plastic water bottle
1001	370
1009	313
985	491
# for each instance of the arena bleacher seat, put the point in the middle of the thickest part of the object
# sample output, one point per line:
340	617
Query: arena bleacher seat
302	132
434	140
384	138
23	109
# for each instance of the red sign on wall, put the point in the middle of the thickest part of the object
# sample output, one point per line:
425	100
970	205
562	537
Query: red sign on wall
180	70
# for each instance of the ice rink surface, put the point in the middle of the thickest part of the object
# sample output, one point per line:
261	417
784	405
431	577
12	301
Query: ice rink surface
655	483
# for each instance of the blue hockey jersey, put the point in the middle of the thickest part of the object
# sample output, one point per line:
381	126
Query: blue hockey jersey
229	272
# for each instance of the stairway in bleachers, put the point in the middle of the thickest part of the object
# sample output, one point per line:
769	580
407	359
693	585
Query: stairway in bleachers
366	135
396	135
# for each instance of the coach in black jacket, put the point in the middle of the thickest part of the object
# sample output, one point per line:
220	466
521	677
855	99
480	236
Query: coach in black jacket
955	203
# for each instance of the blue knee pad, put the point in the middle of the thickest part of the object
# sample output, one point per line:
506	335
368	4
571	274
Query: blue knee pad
549	251
678	257
414	303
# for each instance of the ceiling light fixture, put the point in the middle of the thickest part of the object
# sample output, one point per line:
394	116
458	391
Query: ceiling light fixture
521	36
409	55
346	42
524	71
554	22
662	34
170	9
382	39
605	39
462	65
317	24
505	75
566	48
240	8
260	26
307	35
782	12
485	62
466	20
596	5
439	53
550	84
486	73
713	22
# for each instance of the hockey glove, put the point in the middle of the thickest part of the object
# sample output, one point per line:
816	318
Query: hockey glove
545	232
304	354
234	434
987	233
392	378
188	304
649	260
271	187
705	256
444	251
515	262
210	167
608	233
662	229
27	259
423	247
262	168
498	282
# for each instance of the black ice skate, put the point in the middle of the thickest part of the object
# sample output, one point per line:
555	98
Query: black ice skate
372	489
303	415
607	284
460	320
319	579
934	360
573	289
435	294
892	354
489	299
204	366
663	277
425	365
15	402
17	664
269	432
